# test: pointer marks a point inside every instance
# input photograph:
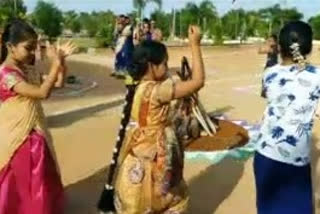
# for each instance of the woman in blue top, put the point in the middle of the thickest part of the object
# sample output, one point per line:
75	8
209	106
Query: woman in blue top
282	161
124	49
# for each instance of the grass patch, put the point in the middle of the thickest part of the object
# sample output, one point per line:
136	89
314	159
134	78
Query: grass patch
83	42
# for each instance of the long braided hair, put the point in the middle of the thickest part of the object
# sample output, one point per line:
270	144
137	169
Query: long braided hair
148	52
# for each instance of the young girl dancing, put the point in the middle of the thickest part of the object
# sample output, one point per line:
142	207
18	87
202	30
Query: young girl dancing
150	172
29	181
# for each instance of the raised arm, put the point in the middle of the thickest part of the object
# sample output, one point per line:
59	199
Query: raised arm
186	88
42	91
61	77
264	49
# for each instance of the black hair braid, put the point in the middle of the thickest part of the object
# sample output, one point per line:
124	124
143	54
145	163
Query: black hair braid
4	41
106	202
124	122
145	53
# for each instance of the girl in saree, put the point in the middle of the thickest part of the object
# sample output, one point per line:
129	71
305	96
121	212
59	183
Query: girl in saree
29	180
149	176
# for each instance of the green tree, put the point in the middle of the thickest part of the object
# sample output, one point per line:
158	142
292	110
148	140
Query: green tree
208	14
315	23
48	18
216	32
75	26
253	21
4	16
234	23
105	26
141	4
10	9
89	23
242	24
277	17
187	16
71	21
272	15
163	22
204	14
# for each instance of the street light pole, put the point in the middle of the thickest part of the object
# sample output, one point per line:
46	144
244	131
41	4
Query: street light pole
173	29
15	7
237	13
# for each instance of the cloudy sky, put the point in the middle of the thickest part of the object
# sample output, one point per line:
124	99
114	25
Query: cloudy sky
308	7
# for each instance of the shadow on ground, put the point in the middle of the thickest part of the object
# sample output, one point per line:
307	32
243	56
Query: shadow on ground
213	185
207	190
82	197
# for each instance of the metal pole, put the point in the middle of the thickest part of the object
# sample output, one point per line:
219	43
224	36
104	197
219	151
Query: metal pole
15	7
237	19
173	30
237	25
180	24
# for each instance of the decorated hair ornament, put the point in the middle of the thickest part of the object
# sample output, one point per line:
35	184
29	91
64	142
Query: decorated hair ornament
297	56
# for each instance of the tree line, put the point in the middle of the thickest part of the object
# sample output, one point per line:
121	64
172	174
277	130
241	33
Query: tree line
235	24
